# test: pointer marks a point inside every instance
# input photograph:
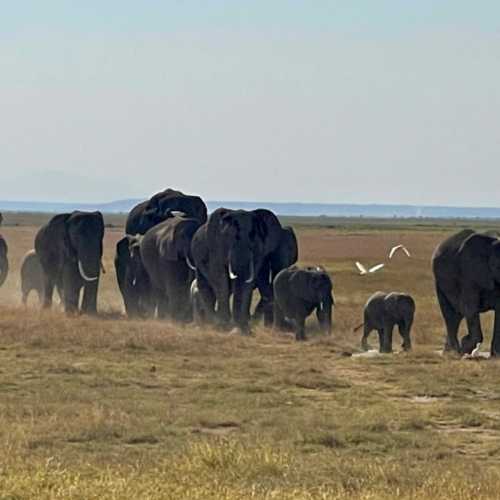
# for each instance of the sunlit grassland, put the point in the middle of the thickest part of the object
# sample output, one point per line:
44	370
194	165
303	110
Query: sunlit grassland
110	408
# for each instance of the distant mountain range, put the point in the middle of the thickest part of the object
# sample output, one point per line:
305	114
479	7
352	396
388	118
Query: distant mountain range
290	209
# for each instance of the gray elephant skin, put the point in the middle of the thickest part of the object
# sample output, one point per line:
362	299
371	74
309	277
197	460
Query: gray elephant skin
4	260
158	208
229	252
285	255
466	270
382	312
165	252
133	279
300	291
70	249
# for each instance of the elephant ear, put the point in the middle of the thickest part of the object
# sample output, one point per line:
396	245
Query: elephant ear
301	285
60	224
122	249
268	229
475	254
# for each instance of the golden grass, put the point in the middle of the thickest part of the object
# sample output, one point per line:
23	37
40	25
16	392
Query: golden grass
110	408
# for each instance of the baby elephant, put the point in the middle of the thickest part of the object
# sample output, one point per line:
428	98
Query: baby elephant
382	312
32	277
297	292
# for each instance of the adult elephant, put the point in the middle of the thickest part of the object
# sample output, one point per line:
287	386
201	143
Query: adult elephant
70	250
151	212
4	260
285	255
165	252
229	252
133	279
466	270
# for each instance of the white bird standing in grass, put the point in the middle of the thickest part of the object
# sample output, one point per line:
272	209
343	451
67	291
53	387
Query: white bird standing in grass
396	248
362	269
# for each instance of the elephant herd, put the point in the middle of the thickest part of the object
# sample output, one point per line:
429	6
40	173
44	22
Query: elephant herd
176	261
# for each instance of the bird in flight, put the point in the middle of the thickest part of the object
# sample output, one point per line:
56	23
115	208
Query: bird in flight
396	248
362	269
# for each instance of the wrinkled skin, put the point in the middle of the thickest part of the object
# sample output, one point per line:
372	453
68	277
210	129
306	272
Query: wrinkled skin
233	243
300	291
158	208
466	270
70	250
285	255
133	280
382	312
4	260
165	251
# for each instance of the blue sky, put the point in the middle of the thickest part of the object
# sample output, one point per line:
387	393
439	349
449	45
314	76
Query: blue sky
366	101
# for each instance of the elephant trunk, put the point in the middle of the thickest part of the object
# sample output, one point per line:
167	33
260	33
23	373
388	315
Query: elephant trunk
240	270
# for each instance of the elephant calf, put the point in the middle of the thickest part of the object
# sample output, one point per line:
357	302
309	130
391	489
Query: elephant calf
382	312
32	277
298	292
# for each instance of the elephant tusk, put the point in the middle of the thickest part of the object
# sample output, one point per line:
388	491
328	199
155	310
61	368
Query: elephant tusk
230	267
231	274
83	275
134	281
321	306
190	264
250	279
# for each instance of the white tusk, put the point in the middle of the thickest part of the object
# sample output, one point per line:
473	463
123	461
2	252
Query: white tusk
231	274
134	281
190	264
83	275
321	307
249	280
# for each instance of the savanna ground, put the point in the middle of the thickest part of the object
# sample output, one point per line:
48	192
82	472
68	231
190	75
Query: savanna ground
111	408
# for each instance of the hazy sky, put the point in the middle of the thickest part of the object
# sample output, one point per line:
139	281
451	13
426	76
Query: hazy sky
323	101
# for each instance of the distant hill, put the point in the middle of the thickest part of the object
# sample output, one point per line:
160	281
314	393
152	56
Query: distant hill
292	209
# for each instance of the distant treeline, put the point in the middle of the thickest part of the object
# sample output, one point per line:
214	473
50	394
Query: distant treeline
284	209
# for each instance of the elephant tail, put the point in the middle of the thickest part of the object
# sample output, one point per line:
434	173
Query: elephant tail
359	327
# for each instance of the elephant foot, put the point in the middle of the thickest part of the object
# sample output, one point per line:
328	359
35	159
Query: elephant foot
468	344
365	346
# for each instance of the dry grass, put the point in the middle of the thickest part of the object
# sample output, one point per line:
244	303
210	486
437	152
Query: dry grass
111	408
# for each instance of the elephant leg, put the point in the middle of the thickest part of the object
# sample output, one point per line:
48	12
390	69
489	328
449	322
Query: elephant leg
206	297
364	339
89	301
222	294
279	318
162	304
495	341
452	321
474	336
265	305
71	290
48	291
241	306
300	328
405	334
386	344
